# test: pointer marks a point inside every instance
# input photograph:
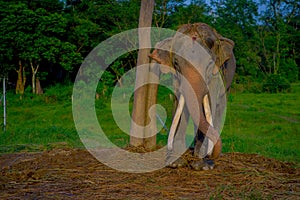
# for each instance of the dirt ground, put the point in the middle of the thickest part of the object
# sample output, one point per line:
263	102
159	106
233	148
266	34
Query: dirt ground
75	174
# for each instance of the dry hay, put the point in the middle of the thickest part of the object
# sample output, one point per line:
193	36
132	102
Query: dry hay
75	174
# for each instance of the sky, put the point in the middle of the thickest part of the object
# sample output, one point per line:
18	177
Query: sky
260	7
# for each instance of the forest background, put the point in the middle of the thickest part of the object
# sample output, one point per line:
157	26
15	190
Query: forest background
44	42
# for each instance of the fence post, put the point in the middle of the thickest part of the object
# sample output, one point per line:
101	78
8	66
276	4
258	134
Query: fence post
4	105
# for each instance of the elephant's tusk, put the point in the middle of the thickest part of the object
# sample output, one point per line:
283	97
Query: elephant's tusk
209	119
176	119
175	122
207	110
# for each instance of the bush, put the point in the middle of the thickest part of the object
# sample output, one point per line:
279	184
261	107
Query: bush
247	84
255	87
276	83
289	70
59	92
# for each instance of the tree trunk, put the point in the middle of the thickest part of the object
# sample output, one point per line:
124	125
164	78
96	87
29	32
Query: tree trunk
20	87
139	113
33	83
150	134
38	87
276	67
33	77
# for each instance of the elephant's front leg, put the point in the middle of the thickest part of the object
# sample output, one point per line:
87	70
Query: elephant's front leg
177	142
174	158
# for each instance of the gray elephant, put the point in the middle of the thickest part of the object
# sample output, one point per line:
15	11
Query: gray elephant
204	66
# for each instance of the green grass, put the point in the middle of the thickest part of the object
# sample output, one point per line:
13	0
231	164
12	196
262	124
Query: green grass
266	124
34	124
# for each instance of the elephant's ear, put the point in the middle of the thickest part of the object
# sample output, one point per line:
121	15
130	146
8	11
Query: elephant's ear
223	50
185	28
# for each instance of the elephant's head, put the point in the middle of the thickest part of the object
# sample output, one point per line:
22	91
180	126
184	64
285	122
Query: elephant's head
218	47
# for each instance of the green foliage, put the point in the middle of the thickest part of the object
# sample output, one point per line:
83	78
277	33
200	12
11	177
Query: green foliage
33	34
246	84
276	83
82	32
183	14
59	93
106	84
289	70
58	34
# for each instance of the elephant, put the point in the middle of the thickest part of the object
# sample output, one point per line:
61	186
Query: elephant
202	63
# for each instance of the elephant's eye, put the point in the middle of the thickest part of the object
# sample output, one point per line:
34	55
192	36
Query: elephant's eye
175	61
209	42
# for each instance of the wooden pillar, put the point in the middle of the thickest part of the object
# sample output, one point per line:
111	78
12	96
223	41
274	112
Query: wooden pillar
139	112
150	134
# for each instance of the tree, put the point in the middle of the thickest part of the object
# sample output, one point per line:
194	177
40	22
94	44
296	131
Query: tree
237	20
85	27
12	40
278	33
140	107
36	37
6	53
180	13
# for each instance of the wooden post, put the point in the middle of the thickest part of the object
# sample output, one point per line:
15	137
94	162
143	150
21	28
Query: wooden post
150	133
4	105
139	112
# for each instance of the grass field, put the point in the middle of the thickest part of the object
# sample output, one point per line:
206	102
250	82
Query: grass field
266	124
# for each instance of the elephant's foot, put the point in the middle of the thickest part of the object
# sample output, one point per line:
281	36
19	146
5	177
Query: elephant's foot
202	164
175	161
217	150
180	162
